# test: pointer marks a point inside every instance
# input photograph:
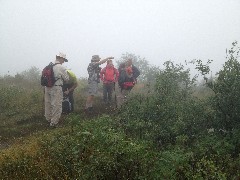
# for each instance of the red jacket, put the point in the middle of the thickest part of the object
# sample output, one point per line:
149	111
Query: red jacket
109	74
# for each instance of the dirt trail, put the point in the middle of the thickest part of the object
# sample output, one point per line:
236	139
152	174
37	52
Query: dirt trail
22	129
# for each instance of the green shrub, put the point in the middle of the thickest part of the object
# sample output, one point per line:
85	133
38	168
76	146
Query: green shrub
226	101
168	112
93	150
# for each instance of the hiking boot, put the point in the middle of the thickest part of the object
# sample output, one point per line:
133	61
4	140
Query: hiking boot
52	126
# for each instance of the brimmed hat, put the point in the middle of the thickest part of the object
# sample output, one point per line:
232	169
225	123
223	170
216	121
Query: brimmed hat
61	55
95	58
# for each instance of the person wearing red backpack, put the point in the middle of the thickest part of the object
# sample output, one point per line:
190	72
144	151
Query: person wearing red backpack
109	76
54	94
128	75
127	79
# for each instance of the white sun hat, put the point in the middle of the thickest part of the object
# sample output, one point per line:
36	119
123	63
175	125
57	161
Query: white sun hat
62	55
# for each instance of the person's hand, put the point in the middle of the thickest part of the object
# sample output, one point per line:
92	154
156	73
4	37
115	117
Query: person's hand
110	57
135	81
66	92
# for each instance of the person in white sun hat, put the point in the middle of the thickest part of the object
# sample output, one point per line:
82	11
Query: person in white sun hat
54	95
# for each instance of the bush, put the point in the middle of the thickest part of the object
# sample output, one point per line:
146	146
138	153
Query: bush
226	101
87	152
163	115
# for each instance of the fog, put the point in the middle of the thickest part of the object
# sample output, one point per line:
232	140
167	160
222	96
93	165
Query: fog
33	32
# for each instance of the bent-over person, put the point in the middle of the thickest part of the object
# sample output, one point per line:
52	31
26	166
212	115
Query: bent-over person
68	90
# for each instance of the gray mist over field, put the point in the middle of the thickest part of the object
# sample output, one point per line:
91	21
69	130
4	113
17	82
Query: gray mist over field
33	32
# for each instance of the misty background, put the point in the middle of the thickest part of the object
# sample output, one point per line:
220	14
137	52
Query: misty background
33	32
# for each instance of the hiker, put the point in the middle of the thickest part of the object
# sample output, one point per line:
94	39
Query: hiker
128	74
109	75
93	80
54	94
68	89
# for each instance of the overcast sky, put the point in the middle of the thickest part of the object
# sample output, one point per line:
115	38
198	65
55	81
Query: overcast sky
33	32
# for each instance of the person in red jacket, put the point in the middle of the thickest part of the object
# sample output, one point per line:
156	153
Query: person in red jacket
109	75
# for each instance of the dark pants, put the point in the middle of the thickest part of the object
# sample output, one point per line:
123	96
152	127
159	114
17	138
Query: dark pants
70	95
71	100
107	92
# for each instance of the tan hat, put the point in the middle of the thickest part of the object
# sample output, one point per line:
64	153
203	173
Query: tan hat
61	55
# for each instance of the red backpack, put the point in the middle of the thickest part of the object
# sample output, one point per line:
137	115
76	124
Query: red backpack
128	85
126	80
47	78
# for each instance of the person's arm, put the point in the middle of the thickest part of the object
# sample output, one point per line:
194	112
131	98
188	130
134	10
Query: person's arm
116	75
64	74
136	72
104	60
73	87
75	84
102	73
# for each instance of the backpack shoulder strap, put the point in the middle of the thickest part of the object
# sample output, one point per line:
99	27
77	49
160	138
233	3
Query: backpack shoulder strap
54	64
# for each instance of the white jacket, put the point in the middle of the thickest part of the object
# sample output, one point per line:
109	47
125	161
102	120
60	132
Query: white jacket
60	73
